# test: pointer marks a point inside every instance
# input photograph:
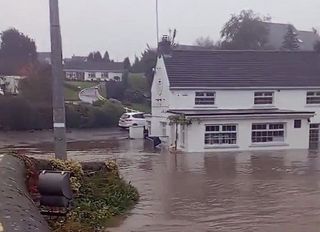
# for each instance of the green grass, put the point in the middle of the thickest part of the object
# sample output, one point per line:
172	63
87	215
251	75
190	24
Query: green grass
71	95
72	89
82	84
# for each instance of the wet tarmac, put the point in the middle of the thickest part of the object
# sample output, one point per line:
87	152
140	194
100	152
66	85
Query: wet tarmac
220	192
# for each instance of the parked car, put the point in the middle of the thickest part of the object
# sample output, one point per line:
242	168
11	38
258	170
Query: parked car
132	119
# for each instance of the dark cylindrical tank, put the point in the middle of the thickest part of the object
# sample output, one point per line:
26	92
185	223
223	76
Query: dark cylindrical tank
55	183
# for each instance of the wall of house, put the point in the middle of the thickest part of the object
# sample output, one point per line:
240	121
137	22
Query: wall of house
295	138
293	99
99	76
160	100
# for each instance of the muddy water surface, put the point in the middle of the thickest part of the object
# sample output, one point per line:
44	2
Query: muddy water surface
260	192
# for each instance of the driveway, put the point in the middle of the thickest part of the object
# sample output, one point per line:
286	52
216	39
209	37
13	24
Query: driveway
90	95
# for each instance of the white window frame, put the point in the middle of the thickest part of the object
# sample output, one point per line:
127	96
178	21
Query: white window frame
219	134
263	95
313	98
266	134
203	95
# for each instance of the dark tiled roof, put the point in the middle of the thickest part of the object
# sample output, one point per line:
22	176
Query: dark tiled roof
226	112
94	66
192	69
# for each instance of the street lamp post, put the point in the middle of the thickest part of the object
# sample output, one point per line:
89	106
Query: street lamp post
59	124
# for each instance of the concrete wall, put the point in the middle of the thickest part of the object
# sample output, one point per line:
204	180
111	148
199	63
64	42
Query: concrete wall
195	135
17	210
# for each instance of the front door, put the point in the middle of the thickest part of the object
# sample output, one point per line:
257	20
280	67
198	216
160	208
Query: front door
314	136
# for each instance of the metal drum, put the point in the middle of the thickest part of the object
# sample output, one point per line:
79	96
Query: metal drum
55	188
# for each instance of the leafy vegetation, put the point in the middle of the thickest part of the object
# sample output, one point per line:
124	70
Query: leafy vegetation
102	196
72	89
18	53
245	31
73	167
106	114
290	40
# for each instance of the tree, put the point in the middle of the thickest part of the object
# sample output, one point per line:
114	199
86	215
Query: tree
18	53
37	88
245	31
91	57
137	66
95	57
127	67
126	63
317	46
290	40
146	63
149	61
106	57
205	42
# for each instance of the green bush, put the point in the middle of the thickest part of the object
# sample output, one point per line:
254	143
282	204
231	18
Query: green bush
18	114
91	116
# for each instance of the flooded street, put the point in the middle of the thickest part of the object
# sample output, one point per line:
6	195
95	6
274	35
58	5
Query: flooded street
260	192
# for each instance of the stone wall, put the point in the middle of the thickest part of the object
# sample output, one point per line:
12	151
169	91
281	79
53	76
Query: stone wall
17	210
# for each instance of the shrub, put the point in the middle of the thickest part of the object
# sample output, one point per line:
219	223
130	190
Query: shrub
90	116
18	114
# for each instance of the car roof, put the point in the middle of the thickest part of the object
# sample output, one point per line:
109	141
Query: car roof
134	113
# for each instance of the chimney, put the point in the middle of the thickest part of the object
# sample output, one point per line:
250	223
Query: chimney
165	47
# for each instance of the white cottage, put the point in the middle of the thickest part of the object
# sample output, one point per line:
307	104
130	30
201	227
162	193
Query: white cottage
93	71
204	101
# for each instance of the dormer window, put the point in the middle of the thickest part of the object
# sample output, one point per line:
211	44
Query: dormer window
205	98
263	98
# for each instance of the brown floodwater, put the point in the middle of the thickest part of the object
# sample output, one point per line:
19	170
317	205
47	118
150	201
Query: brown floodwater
241	191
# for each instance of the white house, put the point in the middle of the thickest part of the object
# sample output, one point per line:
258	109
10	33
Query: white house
204	101
93	71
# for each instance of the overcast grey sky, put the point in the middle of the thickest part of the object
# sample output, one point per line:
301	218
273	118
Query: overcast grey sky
124	27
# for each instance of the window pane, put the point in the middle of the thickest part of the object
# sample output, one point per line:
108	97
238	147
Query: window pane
262	133
199	94
210	94
261	98
220	134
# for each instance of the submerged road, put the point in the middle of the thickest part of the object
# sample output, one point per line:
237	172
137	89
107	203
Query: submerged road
220	192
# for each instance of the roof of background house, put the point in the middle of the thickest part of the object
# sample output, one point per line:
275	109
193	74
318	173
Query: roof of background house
94	66
192	47
200	69
277	31
76	59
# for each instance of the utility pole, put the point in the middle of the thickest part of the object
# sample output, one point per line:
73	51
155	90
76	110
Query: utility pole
157	21
59	124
